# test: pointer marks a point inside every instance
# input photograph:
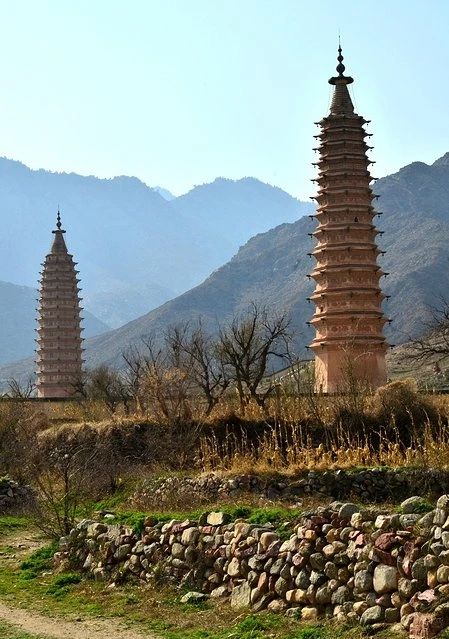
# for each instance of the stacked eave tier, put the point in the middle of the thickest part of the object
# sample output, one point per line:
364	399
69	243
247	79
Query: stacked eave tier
362	341
331	232
60	341
46	365
362	326
49	384
347	295
59	293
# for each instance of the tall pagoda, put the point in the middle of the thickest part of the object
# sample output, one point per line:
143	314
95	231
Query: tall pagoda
349	343
59	352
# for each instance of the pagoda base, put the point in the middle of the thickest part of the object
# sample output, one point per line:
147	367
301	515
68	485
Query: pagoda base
52	392
339	370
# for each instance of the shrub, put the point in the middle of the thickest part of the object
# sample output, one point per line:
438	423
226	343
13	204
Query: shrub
399	403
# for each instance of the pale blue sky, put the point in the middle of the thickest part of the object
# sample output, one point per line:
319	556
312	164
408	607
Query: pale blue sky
178	92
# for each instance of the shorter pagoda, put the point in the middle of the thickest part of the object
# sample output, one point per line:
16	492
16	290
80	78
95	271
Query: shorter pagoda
59	353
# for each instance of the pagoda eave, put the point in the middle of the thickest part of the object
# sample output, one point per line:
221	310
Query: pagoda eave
354	340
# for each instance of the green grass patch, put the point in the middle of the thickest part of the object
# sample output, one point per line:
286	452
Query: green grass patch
60	584
111	502
423	506
252	627
38	561
314	632
132	519
10	523
261	626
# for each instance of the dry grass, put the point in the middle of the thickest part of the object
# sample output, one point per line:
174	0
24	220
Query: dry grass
237	455
396	427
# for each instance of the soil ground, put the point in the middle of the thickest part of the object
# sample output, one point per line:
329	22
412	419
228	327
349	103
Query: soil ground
37	624
35	607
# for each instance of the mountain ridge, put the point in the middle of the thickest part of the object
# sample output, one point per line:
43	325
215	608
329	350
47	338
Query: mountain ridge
126	236
272	266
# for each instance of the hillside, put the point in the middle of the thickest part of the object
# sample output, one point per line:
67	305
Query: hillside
136	247
273	267
17	322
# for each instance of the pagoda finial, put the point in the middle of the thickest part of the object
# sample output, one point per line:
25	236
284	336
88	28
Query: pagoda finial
340	66
59	228
341	78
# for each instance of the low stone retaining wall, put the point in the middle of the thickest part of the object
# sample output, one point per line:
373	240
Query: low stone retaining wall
14	497
366	485
339	561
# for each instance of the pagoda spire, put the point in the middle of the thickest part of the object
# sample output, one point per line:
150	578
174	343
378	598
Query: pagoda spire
59	352
348	318
341	100
58	223
59	245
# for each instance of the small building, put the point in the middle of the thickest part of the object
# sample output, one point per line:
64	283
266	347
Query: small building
59	342
349	344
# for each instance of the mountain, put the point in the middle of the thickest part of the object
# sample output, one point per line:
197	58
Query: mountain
135	249
272	267
165	193
17	322
219	207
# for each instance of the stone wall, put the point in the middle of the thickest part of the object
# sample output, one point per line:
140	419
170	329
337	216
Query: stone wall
366	485
339	561
14	497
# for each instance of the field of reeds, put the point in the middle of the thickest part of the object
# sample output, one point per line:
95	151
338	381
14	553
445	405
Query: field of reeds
396	426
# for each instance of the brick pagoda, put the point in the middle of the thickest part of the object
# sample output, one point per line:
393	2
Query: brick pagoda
59	352
349	344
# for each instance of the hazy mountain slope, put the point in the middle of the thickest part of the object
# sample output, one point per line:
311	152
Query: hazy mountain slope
166	194
135	249
273	267
416	223
17	322
263	269
219	207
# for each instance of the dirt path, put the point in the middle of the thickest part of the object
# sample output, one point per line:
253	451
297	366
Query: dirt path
19	545
56	628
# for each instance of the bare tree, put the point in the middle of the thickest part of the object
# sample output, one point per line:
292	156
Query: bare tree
433	345
302	380
79	384
166	384
199	356
19	390
134	374
19	425
62	478
106	385
354	388
248	345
